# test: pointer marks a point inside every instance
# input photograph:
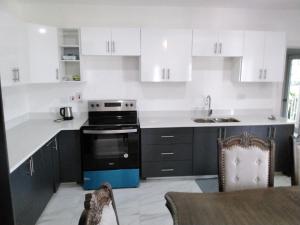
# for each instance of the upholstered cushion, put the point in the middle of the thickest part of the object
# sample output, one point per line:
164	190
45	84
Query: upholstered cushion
297	162
108	215
245	168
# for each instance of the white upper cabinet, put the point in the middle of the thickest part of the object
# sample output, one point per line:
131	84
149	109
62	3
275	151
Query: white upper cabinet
43	53
126	41
264	57
166	55
13	58
218	43
205	43
106	41
95	41
231	43
274	56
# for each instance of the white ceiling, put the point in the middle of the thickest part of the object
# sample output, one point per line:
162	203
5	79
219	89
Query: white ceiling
256	4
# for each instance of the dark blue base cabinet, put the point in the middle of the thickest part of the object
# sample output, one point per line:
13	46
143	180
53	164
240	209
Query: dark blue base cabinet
33	184
193	151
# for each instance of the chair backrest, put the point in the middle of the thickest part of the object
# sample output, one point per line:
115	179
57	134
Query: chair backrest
245	162
99	208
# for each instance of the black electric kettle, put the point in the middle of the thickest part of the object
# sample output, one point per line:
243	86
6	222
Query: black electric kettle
66	113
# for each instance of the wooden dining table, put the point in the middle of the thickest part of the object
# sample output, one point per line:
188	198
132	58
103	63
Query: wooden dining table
269	206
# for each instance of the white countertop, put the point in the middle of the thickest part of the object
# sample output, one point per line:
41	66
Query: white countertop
26	138
169	120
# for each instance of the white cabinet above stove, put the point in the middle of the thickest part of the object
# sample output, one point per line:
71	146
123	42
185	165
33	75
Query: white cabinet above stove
107	41
166	55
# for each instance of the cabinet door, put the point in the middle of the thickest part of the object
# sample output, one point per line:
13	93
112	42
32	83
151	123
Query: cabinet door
126	41
252	63
235	131
95	41
9	43
43	53
42	181
205	43
22	194
274	58
153	55
205	155
70	156
283	151
231	43
53	147
178	45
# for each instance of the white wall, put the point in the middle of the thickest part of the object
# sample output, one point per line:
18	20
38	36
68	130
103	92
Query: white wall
118	77
15	102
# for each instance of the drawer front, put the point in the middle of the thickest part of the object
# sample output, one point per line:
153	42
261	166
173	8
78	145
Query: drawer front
167	169
167	136
171	152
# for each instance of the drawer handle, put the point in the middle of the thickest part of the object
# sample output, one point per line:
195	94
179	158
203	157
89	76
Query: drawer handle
167	136
111	163
167	170
167	153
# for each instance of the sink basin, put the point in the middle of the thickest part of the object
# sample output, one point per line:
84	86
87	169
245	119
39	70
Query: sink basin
225	120
216	120
202	120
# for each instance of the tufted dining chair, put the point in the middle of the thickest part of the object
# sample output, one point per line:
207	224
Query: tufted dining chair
245	162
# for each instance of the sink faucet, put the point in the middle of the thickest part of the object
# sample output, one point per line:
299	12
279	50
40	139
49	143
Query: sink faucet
208	102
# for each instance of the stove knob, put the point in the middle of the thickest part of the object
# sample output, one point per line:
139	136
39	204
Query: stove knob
125	155
97	105
126	105
131	105
92	105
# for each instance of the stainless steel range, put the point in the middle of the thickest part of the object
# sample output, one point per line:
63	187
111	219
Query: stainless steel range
110	144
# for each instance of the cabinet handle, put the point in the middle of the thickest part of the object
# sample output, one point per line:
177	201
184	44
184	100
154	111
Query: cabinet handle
220	48
216	48
57	74
107	46
265	73
113	46
167	170
260	73
168	73
167	153
170	136
32	165
224	132
220	133
16	76
272	132
163	73
111	163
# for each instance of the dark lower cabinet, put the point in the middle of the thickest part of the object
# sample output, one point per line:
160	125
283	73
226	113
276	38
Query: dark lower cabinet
167	152
205	161
32	187
205	153
70	156
53	146
283	153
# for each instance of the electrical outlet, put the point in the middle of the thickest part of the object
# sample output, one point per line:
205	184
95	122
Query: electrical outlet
78	96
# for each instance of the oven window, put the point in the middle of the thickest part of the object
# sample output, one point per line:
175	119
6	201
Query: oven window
103	146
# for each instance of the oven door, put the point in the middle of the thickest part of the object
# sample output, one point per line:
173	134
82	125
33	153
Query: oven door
110	149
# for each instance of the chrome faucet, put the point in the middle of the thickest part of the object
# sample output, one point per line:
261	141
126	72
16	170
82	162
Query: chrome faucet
208	102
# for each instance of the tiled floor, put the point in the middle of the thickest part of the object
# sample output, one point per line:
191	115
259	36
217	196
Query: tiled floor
138	206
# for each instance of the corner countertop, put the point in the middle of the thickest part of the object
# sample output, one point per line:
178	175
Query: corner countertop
185	119
28	137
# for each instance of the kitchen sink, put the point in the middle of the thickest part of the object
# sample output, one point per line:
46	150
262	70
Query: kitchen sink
202	120
216	120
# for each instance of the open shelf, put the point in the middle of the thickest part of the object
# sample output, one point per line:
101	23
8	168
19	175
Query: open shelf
69	45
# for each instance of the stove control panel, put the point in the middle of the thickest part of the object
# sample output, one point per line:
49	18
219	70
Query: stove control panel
111	105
